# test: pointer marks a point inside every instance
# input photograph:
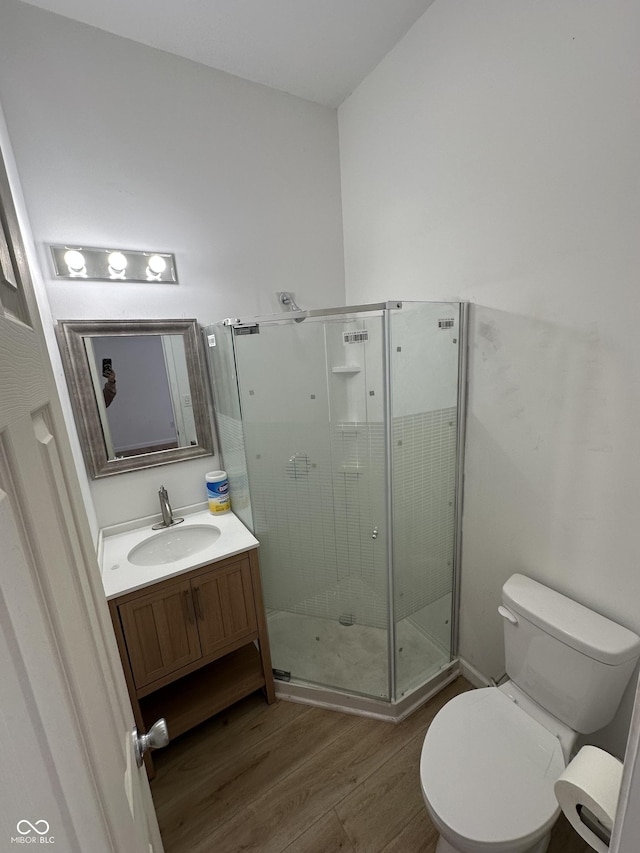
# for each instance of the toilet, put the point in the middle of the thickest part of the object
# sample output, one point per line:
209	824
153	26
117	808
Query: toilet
491	756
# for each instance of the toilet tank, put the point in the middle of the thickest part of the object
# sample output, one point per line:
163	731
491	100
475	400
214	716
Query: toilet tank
572	661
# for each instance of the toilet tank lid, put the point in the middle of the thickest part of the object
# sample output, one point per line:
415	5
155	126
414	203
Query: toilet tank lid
571	623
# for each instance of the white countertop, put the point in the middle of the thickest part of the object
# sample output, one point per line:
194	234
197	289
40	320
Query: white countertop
119	575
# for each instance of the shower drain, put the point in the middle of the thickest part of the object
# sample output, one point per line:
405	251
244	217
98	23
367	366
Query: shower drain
346	619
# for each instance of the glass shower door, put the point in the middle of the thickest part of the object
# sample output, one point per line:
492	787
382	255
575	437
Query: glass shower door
312	399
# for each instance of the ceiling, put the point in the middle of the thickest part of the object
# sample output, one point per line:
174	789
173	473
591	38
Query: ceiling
316	49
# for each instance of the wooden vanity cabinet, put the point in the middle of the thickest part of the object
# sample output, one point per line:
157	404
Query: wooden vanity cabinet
193	645
160	632
225	607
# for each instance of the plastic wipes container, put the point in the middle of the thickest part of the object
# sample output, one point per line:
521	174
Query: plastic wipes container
218	492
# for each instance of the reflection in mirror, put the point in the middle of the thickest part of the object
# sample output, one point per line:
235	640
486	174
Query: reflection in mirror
137	391
142	383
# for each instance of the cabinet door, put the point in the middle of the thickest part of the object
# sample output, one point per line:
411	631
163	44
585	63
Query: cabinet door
225	606
161	632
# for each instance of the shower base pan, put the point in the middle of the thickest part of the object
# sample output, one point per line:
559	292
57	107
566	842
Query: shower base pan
339	665
363	706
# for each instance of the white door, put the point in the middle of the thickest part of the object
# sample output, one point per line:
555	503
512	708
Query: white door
67	777
178	375
626	829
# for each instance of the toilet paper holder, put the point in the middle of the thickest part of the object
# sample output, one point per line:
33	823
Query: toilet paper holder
596	826
587	791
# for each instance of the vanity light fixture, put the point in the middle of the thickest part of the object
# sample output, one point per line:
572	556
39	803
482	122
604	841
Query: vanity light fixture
75	263
72	262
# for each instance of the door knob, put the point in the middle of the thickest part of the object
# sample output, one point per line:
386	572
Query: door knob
155	738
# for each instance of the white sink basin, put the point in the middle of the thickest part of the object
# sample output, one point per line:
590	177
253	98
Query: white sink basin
169	546
133	557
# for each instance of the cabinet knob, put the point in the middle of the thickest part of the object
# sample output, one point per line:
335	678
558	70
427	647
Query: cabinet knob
155	738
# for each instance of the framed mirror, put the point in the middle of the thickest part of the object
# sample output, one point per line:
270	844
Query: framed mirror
137	391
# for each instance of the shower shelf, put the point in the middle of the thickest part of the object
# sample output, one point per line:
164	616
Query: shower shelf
347	369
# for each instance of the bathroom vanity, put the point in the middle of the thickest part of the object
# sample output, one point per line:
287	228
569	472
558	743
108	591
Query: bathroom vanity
187	610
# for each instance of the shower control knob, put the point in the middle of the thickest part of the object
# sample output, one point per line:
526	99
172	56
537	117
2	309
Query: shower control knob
374	533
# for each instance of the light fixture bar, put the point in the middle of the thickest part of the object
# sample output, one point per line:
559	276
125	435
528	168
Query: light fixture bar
91	264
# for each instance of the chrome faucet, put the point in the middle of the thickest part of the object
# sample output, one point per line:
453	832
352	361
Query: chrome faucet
167	513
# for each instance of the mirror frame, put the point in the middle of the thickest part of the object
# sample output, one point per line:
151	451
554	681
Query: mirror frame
71	334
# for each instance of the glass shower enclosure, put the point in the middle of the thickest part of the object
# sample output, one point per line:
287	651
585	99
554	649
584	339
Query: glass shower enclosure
341	434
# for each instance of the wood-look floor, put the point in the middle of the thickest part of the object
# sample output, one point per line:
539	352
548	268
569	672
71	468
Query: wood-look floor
288	777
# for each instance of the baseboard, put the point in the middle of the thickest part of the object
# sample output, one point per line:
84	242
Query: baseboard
473	675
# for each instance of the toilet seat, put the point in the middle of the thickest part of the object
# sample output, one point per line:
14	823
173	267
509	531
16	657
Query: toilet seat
487	771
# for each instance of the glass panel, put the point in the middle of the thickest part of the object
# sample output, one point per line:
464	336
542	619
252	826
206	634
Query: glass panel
424	342
222	368
312	405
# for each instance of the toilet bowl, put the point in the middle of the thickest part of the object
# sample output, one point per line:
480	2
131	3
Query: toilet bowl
487	772
490	757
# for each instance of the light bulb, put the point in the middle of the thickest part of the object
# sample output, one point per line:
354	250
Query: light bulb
157	264
75	261
117	262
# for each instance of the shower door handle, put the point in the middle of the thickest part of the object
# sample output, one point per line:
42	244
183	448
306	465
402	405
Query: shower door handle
374	532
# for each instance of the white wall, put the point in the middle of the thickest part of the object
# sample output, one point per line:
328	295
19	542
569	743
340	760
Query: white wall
493	156
122	145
